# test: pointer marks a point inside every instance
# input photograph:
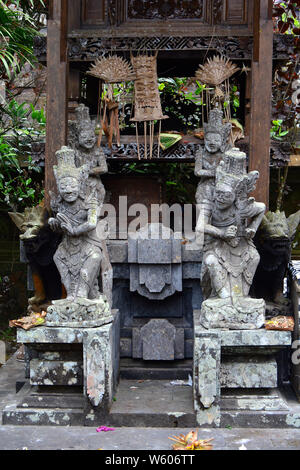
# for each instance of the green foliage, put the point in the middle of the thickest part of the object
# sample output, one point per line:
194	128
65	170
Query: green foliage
17	31
16	182
235	97
21	124
285	17
183	106
276	130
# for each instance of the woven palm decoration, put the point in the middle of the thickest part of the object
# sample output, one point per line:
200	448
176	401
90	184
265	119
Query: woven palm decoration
112	69
216	71
147	105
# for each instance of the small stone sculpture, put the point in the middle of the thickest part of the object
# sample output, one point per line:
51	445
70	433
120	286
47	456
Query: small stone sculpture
230	258
78	257
39	244
216	136
82	139
274	241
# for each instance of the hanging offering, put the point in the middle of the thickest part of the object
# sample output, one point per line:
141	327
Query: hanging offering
110	70
147	105
216	72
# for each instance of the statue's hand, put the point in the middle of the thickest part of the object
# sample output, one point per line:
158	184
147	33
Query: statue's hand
249	232
230	232
65	224
54	224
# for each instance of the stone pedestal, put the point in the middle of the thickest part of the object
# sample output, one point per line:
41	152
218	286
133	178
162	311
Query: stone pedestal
244	314
73	374
241	362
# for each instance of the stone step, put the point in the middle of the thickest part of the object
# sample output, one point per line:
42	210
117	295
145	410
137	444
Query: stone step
155	403
60	401
131	369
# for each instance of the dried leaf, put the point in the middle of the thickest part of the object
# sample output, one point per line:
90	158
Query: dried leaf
35	319
281	323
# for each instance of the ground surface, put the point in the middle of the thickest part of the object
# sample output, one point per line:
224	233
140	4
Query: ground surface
127	438
86	438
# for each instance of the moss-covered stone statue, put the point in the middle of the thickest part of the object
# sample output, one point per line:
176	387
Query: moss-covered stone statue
79	256
230	258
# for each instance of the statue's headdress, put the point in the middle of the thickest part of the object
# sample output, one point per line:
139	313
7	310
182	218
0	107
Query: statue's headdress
215	125
83	120
231	172
66	166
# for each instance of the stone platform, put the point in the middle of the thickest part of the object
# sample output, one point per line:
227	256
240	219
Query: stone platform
73	374
226	364
236	360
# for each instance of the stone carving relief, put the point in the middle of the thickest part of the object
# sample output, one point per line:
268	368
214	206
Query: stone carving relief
155	262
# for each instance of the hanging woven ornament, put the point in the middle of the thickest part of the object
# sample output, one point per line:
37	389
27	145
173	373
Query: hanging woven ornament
147	105
110	70
214	72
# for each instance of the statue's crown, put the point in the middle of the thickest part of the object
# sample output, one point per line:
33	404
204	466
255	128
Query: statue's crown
215	122
82	113
232	172
66	165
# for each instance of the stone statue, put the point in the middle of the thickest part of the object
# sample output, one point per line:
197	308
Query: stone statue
216	136
230	258
82	139
274	240
78	257
39	244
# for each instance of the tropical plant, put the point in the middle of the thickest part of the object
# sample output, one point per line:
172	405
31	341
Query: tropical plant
285	17
17	31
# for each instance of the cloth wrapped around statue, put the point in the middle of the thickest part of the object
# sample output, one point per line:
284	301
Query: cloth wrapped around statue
230	257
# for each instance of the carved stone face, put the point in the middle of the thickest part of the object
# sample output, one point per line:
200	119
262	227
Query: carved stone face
224	197
87	138
212	142
69	188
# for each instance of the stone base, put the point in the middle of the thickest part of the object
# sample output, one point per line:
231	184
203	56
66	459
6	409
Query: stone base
244	313
81	313
233	359
73	374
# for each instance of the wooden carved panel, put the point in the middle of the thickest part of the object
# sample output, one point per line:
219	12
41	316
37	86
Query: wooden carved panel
93	12
230	12
165	9
235	11
165	15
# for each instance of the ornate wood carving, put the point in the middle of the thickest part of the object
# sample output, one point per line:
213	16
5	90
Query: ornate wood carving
87	49
180	152
165	9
